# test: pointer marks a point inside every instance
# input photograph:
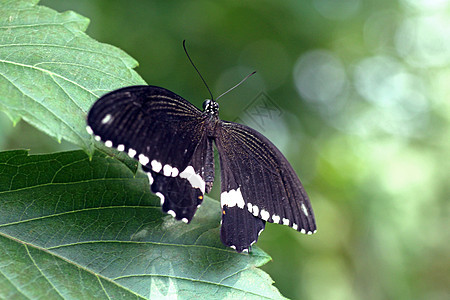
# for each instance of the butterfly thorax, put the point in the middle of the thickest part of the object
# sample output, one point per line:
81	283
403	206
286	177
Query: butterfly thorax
211	107
211	110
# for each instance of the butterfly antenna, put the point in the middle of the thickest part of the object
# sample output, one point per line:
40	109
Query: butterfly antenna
246	77
187	54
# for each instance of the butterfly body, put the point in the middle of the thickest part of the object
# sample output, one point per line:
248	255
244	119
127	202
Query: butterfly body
174	142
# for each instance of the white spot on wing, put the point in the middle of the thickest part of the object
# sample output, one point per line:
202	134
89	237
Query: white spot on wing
89	130
194	179
309	233
232	198
305	211
255	210
249	207
233	246
108	144
245	250
121	147
167	169
156	166
131	152
97	138
150	178
106	119
276	219
172	213
143	159
303	231
259	233
162	198
174	172
285	221
295	226
265	215
185	220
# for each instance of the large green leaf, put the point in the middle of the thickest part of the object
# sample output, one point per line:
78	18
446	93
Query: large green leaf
51	71
81	228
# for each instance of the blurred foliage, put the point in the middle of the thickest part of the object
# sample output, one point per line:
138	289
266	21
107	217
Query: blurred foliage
360	94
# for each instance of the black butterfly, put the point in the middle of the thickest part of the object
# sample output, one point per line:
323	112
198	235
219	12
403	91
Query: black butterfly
173	141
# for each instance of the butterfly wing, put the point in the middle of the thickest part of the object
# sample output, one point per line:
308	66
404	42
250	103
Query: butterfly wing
165	133
258	185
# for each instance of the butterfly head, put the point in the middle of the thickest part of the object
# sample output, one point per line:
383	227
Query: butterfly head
211	107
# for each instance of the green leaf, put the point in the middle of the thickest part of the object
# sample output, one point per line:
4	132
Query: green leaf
75	227
51	71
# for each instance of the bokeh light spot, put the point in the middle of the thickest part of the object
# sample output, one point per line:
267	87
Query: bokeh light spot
319	77
424	41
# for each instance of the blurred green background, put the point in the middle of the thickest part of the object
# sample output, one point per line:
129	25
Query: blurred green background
356	95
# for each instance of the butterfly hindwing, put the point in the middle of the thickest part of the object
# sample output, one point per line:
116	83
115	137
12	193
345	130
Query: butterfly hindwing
182	195
178	197
259	179
240	229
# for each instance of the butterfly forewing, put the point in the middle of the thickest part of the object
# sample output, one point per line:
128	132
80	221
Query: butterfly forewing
165	133
148	121
258	179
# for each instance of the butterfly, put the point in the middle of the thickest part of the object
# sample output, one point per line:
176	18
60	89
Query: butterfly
173	141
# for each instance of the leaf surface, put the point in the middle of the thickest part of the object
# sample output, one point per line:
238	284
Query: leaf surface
51	71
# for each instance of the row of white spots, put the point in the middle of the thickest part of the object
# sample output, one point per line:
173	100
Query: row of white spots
194	179
170	171
265	215
232	198
131	152
108	143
